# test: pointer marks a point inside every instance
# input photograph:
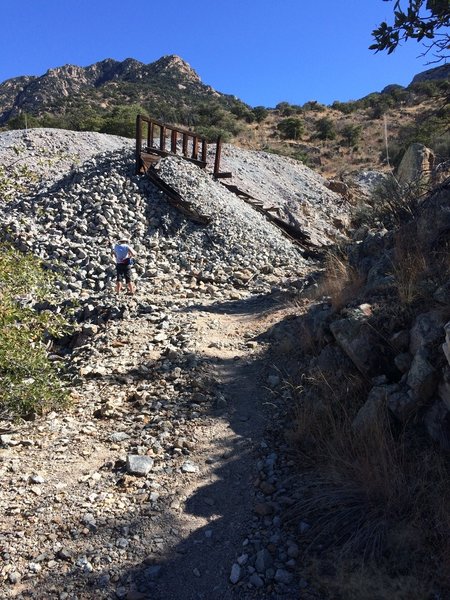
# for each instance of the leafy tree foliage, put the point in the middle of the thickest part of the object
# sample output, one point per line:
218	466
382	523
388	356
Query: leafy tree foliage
425	21
313	105
351	134
286	110
326	129
291	128
30	382
260	113
122	121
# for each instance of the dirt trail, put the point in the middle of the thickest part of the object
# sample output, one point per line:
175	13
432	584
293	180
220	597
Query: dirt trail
220	503
182	545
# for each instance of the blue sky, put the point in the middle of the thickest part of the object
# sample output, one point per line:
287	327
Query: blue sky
262	51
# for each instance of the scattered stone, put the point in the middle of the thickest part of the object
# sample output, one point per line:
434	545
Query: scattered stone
139	465
189	467
235	574
264	509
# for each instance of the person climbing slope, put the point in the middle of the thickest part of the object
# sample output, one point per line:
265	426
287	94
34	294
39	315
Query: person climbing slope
124	256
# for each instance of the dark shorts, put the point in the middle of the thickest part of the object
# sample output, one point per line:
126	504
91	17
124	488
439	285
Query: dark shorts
123	272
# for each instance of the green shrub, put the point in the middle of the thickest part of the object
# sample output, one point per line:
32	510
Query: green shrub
313	105
29	382
344	107
291	128
325	129
351	134
260	113
122	120
284	109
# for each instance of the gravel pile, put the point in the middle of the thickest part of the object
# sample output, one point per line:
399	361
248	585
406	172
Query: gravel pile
299	193
73	224
97	498
52	153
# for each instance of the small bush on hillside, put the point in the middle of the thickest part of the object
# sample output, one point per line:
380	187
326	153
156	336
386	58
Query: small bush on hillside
314	106
326	129
211	133
351	134
394	203
291	128
30	383
344	107
286	110
260	113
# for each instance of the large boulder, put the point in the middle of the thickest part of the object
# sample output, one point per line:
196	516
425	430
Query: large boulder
373	410
417	165
426	331
437	423
368	351
444	387
422	378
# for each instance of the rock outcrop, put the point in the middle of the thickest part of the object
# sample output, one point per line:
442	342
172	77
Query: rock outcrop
417	165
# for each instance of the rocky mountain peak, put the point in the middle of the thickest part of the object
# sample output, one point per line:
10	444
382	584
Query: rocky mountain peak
441	72
174	65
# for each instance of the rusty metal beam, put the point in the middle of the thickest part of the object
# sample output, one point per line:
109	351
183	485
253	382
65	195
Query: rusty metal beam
204	150
195	148
150	134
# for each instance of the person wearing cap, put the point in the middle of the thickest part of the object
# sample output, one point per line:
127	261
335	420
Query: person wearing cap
123	254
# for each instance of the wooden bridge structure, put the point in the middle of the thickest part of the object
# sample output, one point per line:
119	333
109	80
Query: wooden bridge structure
155	139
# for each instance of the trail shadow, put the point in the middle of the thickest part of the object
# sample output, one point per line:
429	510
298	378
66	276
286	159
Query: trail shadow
183	548
259	303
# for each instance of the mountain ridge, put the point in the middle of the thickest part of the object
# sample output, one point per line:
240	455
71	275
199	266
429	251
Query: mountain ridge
36	94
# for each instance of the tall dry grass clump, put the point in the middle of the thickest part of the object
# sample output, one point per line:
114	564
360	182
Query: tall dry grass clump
341	281
409	267
375	499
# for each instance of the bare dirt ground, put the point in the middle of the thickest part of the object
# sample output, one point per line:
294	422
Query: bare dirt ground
76	525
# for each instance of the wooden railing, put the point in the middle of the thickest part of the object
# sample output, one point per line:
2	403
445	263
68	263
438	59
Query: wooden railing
154	137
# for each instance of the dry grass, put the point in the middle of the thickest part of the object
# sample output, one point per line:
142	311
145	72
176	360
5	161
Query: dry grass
409	268
376	500
341	281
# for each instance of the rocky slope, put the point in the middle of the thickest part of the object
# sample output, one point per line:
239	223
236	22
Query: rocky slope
142	487
169	476
102	83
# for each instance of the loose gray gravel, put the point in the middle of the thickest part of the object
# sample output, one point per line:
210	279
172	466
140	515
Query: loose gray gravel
162	480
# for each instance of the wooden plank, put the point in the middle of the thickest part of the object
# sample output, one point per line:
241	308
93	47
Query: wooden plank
195	148
173	141
162	138
185	144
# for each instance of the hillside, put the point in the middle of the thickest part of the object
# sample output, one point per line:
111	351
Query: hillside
336	139
239	427
107	96
351	136
155	376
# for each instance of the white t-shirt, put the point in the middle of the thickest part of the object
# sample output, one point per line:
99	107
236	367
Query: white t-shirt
122	252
